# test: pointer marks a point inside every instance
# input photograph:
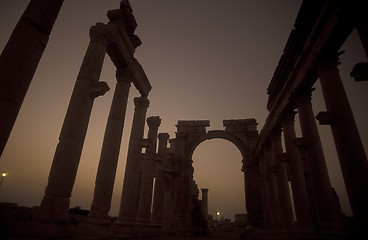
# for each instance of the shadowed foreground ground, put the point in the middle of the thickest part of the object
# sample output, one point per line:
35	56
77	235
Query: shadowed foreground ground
16	223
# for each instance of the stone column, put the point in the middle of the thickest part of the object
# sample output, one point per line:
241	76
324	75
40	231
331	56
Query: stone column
265	191
353	161
320	185
159	194
148	173
274	192
297	179
129	198
205	203
67	155
110	151
282	180
20	57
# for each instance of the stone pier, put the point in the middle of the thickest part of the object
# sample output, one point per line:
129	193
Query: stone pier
205	203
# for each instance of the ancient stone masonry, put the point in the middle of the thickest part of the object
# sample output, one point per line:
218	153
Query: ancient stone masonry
26	45
118	40
243	133
162	179
311	53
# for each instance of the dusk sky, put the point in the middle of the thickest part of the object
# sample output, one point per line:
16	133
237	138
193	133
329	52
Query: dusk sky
205	59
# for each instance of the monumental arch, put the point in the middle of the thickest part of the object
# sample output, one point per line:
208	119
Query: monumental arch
242	133
311	54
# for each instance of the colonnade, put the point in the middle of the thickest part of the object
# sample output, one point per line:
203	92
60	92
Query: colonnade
140	167
303	165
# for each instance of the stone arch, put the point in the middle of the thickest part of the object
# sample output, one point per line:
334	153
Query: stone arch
217	134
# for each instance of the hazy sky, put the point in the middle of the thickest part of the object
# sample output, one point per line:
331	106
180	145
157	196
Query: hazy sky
205	59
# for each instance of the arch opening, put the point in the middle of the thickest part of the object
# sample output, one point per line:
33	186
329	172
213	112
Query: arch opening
217	166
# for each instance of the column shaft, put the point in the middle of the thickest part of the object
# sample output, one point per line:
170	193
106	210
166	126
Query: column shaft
148	173
274	192
321	191
67	155
26	46
159	195
349	146
129	198
205	203
297	179
265	191
110	151
282	180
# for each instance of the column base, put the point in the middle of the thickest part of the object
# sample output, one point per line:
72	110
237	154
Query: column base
125	221
52	209
143	222
98	218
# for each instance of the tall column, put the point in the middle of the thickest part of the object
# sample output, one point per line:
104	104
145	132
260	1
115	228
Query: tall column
320	185
297	179
148	173
265	191
159	196
110	150
20	57
274	192
129	198
353	161
205	203
67	155
282	180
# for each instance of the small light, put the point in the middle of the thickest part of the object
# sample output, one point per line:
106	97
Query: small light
218	213
4	174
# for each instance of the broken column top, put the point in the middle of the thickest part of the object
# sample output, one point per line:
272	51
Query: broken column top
125	15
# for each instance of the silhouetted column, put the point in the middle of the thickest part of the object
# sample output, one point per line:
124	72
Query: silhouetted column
67	155
265	191
353	161
148	172
282	180
20	57
320	185
297	179
205	202
110	150
159	195
129	198
274	192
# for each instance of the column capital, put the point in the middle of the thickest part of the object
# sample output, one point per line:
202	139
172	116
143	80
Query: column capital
100	33
304	96
124	75
163	137
204	190
288	118
154	121
141	102
328	60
